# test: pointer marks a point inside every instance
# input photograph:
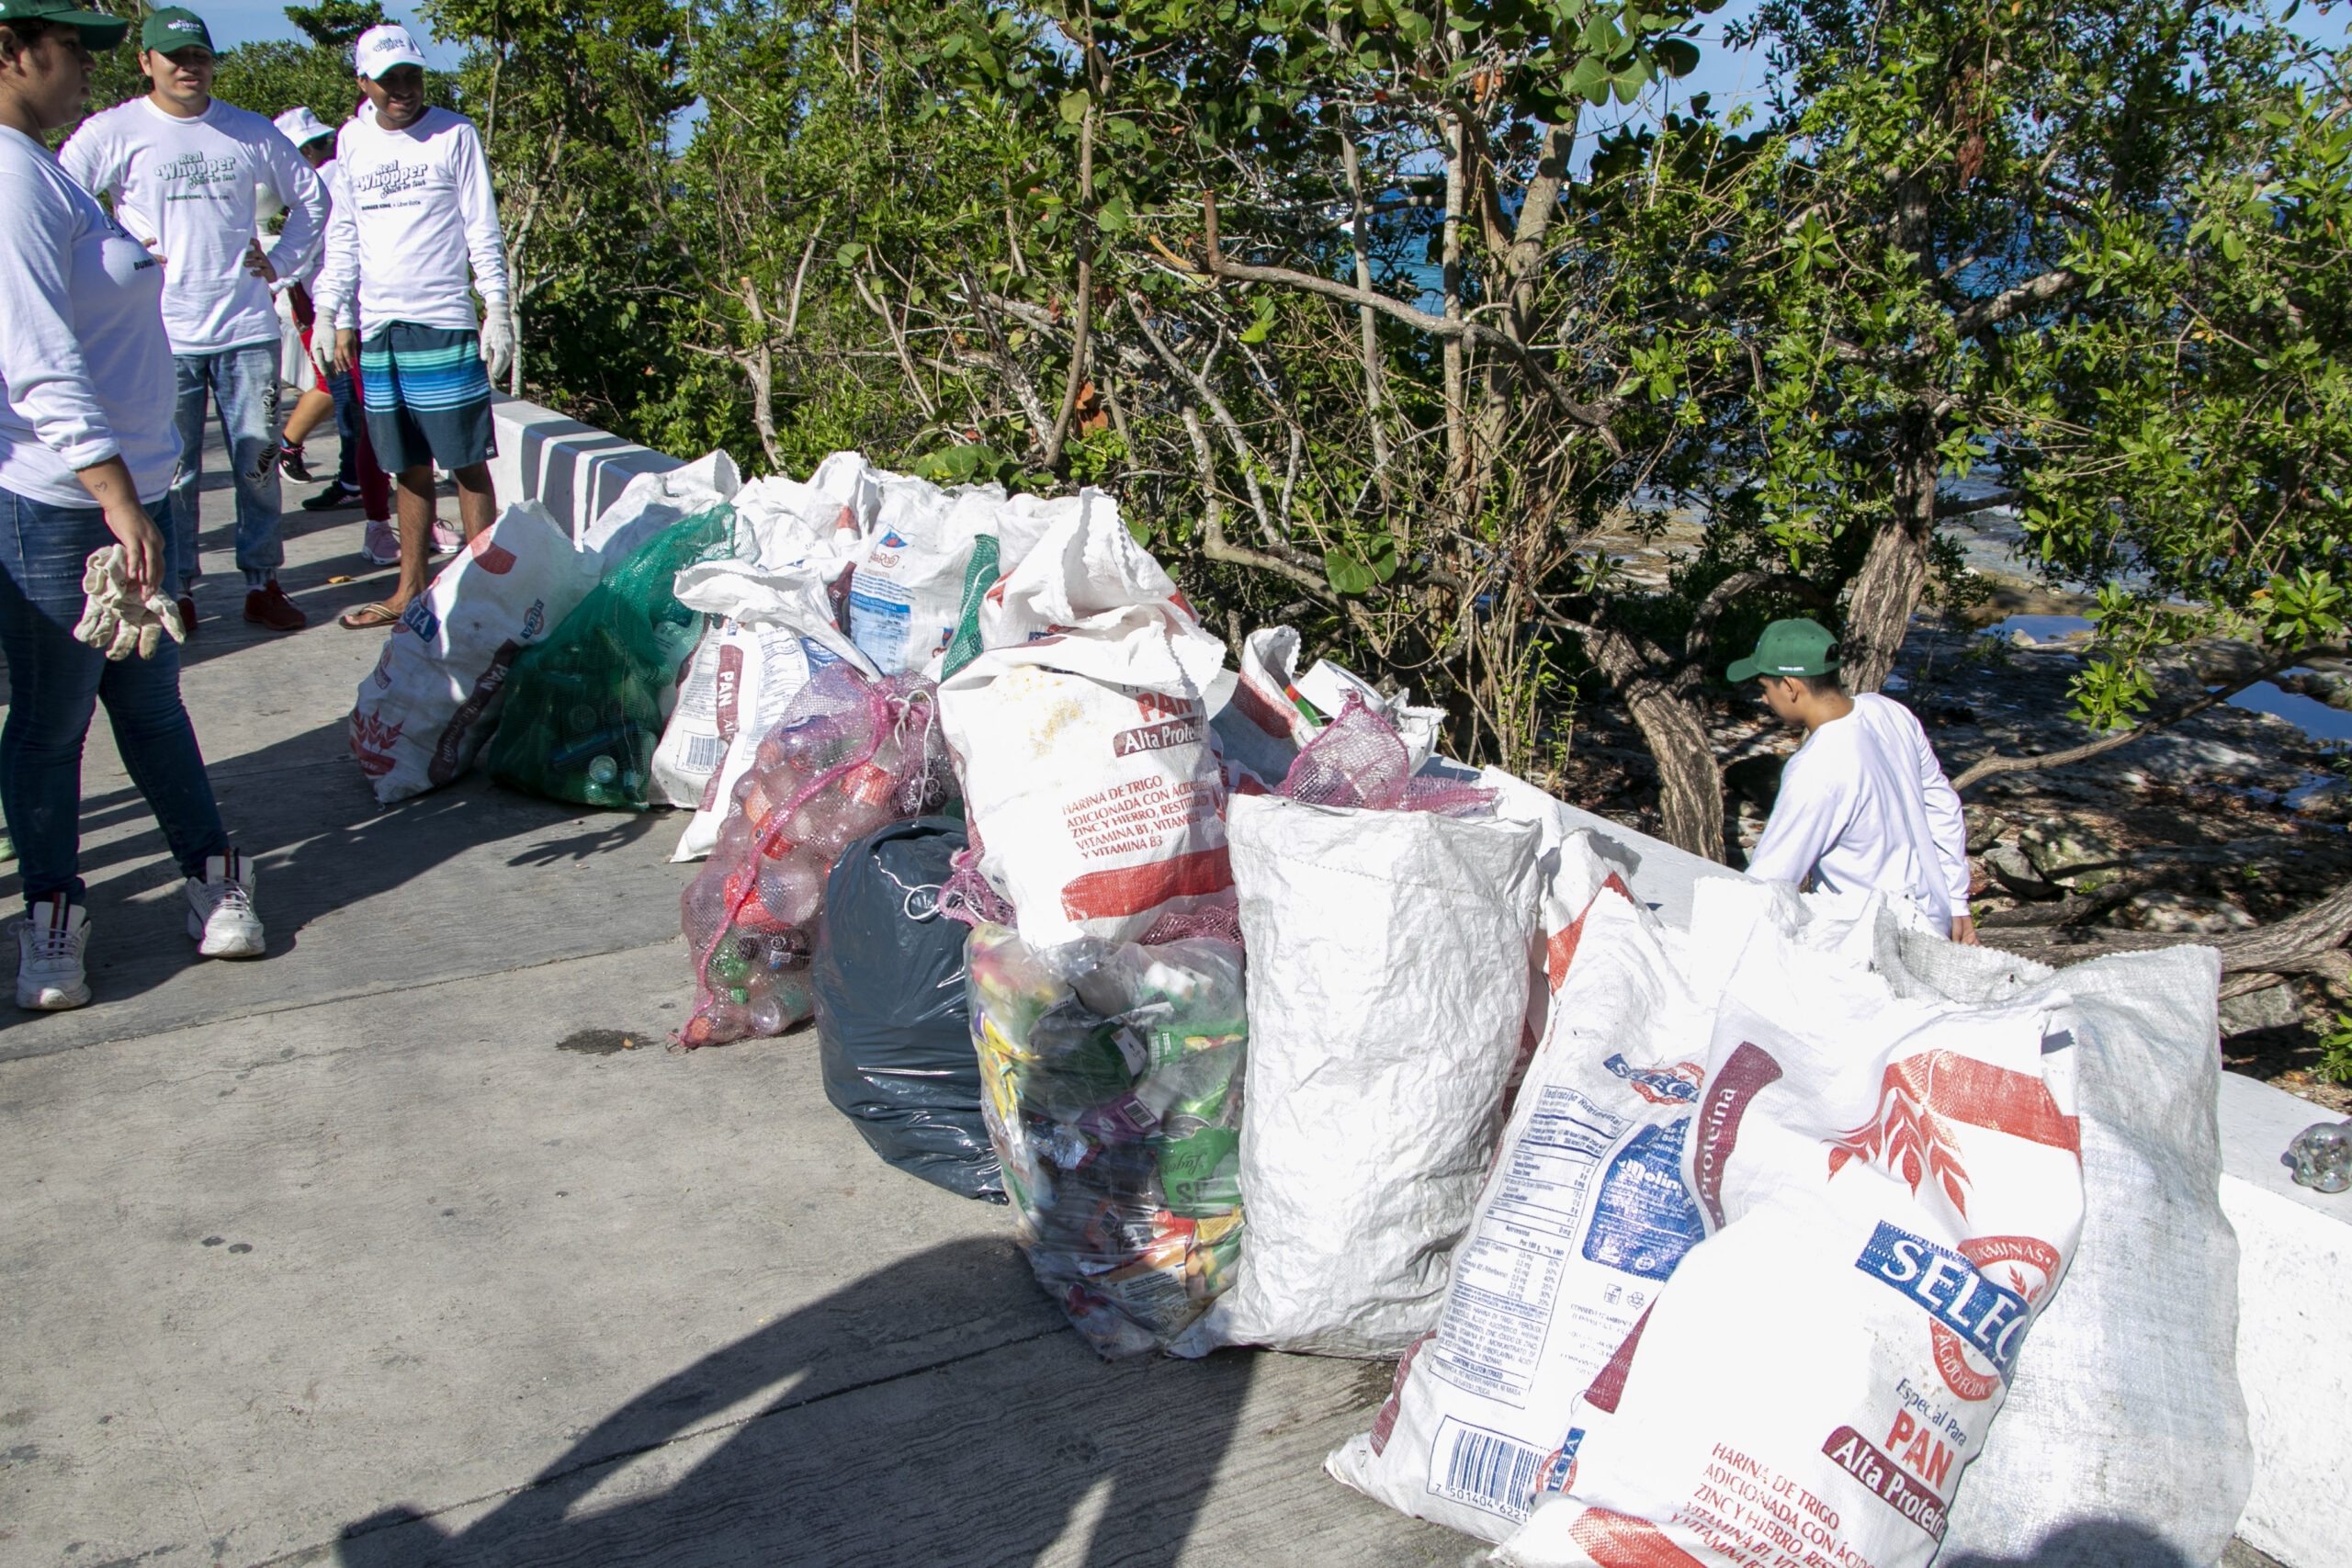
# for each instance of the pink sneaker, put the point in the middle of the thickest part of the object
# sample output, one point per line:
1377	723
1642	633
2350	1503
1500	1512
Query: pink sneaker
445	538
382	544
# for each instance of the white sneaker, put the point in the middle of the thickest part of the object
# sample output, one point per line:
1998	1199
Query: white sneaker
382	542
49	957
221	909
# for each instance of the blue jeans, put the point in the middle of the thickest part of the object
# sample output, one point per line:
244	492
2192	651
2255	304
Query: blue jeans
54	685
243	384
347	428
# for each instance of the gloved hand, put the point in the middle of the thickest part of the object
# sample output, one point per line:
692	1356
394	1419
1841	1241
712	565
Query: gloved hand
117	621
498	340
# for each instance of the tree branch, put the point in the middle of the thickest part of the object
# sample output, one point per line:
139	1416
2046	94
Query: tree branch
1594	416
2009	301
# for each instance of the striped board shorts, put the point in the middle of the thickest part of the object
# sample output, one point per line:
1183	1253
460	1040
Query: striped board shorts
426	397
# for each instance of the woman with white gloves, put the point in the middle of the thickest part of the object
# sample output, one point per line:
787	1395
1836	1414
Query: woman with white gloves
87	449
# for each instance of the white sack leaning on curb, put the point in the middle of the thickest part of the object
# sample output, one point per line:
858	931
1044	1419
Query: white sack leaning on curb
1082	734
2124	1434
652	502
1892	1188
1583	1217
432	700
1388	978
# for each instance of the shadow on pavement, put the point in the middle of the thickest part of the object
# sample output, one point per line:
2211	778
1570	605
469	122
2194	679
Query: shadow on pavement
959	1459
2104	1545
310	821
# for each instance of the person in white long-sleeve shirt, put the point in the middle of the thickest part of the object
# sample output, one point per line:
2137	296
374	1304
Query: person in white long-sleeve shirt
181	169
1863	804
86	454
414	216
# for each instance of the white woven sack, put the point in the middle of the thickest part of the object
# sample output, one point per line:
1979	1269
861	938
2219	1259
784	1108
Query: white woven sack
1582	1217
423	712
652	502
1085	757
1892	1188
2123	1443
1388	978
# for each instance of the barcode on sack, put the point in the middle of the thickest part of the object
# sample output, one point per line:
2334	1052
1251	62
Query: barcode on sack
1486	1469
704	752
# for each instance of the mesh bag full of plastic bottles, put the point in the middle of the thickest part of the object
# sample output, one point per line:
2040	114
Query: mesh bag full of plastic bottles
1110	1084
849	755
585	708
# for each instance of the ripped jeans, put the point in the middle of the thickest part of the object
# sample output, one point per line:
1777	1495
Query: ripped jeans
242	383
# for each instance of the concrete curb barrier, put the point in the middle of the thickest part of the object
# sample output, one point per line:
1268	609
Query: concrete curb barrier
574	470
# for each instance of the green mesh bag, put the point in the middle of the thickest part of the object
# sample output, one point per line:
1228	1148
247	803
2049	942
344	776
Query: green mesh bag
585	708
979	578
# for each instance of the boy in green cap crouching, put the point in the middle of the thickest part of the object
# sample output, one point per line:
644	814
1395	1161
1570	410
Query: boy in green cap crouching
1864	806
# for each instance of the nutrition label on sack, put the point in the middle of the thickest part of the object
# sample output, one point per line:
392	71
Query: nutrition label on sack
1506	1276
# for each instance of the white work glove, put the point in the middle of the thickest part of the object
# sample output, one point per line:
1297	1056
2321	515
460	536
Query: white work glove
116	621
498	340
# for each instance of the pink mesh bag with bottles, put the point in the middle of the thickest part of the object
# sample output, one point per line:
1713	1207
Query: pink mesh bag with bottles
849	755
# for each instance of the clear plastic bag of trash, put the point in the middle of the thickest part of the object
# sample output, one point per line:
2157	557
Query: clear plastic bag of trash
1112	1086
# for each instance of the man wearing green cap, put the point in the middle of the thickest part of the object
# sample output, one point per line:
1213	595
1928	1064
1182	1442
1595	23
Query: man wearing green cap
1864	806
183	170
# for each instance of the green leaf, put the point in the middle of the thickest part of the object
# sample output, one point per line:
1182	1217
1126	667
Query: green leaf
1113	217
1264	324
1074	106
850	255
1348	572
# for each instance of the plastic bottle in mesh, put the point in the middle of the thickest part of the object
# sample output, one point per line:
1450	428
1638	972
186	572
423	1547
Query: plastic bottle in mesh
1359	760
848	756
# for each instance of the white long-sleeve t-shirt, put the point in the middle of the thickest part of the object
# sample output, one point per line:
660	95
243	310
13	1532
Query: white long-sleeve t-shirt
185	189
411	209
1864	806
266	207
85	367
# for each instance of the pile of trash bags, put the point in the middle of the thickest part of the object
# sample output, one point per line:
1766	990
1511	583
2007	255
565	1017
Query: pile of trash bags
1743	1237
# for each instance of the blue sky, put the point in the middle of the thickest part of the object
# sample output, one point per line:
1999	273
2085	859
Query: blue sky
234	22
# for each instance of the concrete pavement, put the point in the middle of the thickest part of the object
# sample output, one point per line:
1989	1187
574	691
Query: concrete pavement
384	1250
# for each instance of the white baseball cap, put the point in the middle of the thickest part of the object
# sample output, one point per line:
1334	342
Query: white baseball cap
384	46
300	127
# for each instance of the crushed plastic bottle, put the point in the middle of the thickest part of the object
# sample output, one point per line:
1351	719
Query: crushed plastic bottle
2321	1156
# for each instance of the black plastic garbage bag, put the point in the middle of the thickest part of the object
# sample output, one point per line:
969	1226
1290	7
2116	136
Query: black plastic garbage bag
891	1021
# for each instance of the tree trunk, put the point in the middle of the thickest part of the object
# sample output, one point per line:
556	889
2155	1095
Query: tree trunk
1690	784
1895	572
1521	276
1361	237
1457	454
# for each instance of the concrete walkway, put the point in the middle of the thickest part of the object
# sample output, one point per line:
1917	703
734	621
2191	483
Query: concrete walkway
383	1251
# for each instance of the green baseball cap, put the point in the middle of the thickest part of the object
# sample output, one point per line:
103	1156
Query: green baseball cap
98	30
174	26
1788	647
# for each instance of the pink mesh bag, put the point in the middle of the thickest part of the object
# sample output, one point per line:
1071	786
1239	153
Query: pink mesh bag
849	755
1359	760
